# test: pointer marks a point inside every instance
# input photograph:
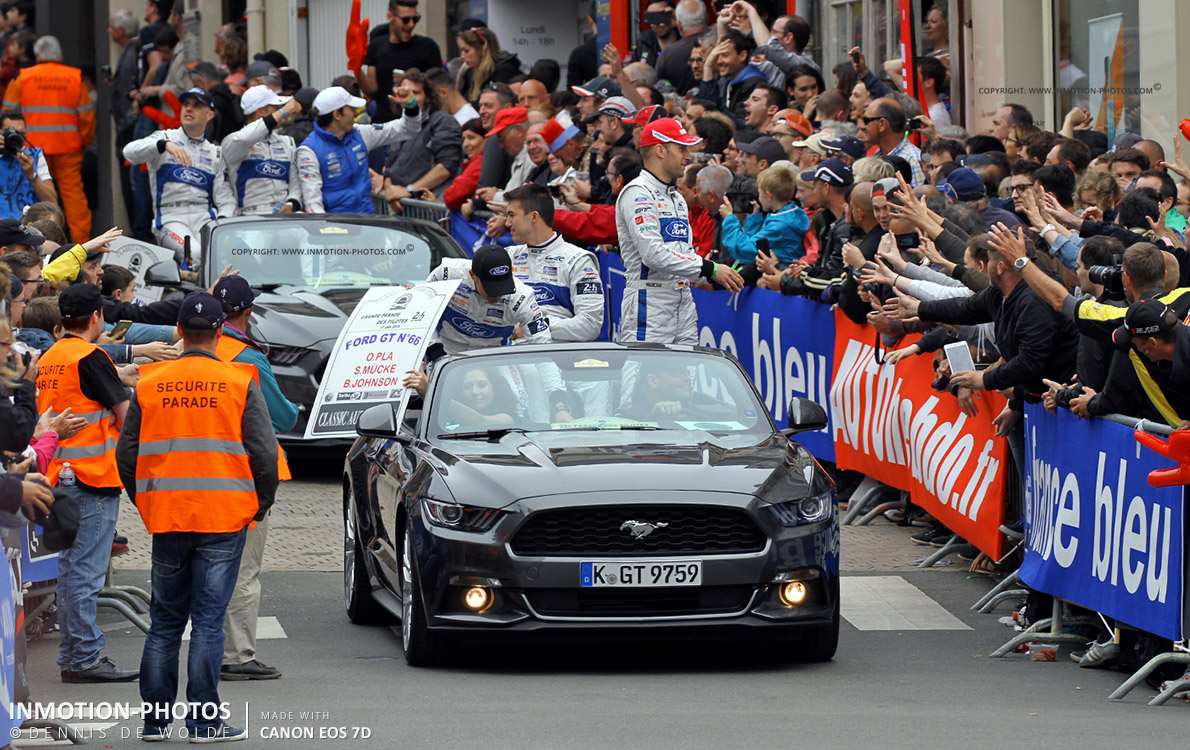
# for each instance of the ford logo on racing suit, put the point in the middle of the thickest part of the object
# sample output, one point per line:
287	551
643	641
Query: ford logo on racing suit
544	296
675	230
191	175
272	169
473	329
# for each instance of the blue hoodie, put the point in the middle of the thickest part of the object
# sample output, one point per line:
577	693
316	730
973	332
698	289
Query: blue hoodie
721	91
783	229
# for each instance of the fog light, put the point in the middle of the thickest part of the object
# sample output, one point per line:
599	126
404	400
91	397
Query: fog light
793	593
477	598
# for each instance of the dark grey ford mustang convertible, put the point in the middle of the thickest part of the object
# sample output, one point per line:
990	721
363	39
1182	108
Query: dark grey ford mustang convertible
583	491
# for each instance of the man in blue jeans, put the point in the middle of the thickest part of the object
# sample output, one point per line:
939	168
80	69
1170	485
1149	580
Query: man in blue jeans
195	415
76	374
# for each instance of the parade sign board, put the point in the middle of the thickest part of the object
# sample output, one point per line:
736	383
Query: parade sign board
384	338
1099	534
138	257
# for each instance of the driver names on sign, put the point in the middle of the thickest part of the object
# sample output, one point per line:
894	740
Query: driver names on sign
383	340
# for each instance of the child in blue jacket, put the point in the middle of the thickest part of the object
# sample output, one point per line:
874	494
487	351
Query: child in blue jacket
781	221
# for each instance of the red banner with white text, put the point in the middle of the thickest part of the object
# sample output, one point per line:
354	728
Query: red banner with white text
889	424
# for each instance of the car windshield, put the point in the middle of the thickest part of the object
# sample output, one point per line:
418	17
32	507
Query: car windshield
603	390
323	253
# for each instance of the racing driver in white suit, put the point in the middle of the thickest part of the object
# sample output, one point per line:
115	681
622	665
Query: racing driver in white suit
653	226
187	177
260	161
491	308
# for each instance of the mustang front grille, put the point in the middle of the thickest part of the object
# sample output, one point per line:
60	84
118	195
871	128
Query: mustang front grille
623	530
671	602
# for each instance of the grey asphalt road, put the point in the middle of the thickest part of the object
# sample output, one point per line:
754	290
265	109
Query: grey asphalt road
886	689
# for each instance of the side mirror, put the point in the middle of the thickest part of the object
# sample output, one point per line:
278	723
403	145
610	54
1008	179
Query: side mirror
805	416
378	421
164	273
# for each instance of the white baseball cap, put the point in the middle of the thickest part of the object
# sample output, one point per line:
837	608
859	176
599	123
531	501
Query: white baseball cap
334	98
260	96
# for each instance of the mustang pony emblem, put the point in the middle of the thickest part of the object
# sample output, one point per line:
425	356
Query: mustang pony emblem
640	530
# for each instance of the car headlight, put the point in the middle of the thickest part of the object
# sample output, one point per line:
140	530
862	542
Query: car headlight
807	510
459	517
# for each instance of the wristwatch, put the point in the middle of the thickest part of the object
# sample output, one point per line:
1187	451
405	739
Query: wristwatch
1019	264
412	190
1048	228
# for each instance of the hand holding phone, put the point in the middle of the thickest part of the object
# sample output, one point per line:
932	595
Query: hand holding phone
121	328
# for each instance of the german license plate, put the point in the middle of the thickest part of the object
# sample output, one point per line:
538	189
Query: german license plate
640	573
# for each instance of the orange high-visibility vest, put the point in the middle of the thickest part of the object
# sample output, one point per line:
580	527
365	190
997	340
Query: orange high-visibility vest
228	348
92	452
59	113
192	469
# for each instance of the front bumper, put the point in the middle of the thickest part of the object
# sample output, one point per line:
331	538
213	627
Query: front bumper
542	594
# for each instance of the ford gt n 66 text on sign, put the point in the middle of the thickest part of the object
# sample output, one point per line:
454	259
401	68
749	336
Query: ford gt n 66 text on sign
662	499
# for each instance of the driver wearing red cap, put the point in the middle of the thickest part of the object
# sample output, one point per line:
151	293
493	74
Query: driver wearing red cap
653	226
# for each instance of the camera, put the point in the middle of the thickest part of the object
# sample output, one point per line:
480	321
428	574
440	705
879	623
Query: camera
14	141
1110	277
908	240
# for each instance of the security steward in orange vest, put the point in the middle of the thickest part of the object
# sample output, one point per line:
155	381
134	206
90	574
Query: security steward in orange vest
199	460
76	374
60	120
237	297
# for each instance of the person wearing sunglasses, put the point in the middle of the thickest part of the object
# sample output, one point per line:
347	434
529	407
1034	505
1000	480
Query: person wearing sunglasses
399	50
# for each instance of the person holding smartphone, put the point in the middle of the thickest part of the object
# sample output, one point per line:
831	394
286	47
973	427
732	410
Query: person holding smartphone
663	31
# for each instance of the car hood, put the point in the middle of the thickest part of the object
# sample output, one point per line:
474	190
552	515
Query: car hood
293	316
496	474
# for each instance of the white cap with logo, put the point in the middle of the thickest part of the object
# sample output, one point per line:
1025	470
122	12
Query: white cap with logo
334	98
260	96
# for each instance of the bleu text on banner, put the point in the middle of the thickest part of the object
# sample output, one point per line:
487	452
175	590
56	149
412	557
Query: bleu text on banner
1099	534
786	345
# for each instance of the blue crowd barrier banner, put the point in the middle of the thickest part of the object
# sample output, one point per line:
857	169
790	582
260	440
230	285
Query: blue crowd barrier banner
12	715
1100	535
469	232
37	563
786	344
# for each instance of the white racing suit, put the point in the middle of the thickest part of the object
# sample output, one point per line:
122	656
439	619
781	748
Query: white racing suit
470	321
565	279
653	226
185	199
261	168
567	285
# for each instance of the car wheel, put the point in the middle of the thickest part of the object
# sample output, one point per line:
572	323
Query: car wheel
422	648
362	608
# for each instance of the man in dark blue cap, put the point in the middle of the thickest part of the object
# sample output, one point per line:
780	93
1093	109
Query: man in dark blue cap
196	415
846	147
188	178
963	185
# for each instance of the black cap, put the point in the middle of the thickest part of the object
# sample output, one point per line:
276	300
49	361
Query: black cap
831	171
765	147
13	232
848	144
200	312
305	96
195	93
234	294
291	80
600	86
206	71
494	269
79	301
1146	317
260	69
470	23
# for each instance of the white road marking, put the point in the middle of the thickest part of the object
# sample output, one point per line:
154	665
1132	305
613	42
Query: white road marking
266	627
892	603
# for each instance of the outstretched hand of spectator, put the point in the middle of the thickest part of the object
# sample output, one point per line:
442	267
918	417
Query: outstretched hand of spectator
914	209
227	271
1010	246
1050	399
1005	421
612	57
102	241
876	273
903	307
858	61
972	379
1059	212
497	226
852	255
887	252
1081	405
896	355
1179	163
1158	225
967	399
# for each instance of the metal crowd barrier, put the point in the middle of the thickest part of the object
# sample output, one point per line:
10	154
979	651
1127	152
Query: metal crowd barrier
416	209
